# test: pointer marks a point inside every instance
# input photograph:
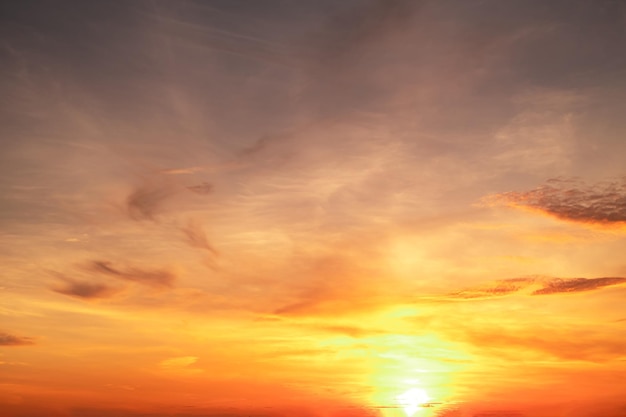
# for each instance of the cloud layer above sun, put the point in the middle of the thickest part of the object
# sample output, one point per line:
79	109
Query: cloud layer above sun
279	208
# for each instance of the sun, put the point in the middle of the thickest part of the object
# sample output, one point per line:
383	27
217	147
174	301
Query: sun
412	399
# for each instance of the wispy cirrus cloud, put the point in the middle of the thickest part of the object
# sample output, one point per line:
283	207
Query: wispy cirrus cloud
149	277
559	285
197	238
495	289
572	200
547	285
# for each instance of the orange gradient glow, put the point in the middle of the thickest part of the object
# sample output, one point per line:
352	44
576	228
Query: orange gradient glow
358	208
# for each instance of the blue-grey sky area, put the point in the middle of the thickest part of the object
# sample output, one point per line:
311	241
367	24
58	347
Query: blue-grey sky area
321	207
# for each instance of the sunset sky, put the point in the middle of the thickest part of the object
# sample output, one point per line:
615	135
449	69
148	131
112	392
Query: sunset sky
313	208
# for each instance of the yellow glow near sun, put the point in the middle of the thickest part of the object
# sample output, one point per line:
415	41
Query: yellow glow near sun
412	399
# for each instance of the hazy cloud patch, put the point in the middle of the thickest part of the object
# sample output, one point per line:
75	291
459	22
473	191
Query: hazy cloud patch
182	171
84	289
203	188
352	331
7	339
146	200
364	25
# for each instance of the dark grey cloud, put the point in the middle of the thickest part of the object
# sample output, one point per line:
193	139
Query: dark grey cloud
150	277
7	339
573	200
85	289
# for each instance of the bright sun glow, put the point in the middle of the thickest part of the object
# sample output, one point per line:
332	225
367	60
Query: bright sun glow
412	399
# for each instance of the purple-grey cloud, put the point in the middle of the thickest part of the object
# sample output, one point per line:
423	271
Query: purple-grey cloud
573	200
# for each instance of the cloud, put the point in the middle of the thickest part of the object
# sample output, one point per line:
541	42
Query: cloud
7	339
360	26
84	289
145	201
558	285
498	288
154	278
203	188
197	238
572	200
549	285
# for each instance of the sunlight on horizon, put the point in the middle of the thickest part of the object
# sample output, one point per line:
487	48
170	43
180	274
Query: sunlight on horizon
412	399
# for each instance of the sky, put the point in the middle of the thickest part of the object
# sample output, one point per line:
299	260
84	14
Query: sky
321	208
